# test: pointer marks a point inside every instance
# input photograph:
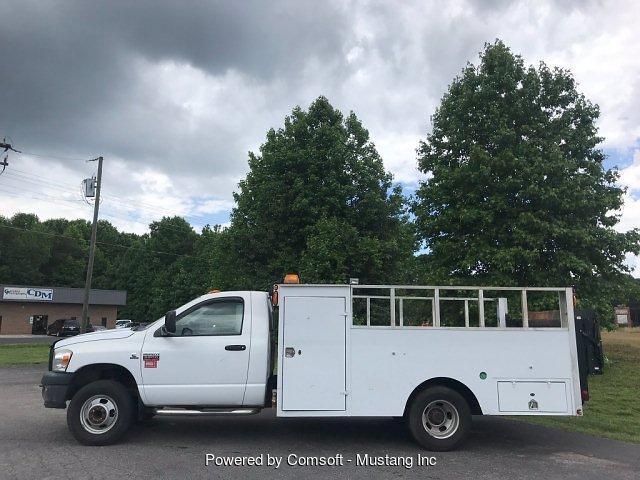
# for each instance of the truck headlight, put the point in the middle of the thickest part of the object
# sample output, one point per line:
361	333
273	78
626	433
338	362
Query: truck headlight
61	360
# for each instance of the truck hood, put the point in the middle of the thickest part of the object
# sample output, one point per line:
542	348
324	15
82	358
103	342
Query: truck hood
115	334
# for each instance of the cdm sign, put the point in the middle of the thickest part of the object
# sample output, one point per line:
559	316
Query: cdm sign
28	294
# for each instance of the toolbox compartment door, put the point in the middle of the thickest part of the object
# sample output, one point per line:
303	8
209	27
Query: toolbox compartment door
313	360
532	397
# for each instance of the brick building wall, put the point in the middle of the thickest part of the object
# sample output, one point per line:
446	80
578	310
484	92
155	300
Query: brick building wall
15	315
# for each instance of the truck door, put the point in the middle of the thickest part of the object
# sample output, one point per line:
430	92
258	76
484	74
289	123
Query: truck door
313	363
206	361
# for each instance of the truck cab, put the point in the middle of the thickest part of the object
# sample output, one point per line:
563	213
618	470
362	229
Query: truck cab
218	356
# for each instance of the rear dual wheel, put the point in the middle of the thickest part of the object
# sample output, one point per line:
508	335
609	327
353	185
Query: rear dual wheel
439	418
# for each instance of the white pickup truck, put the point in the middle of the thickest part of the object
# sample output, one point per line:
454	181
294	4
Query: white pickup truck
433	356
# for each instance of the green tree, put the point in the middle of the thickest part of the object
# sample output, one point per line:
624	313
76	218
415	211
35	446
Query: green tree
160	270
317	201
135	274
110	247
171	241
68	261
24	250
516	191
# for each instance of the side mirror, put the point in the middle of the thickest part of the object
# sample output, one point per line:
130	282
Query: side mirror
170	321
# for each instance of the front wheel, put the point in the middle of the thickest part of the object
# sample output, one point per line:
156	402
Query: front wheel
439	418
100	413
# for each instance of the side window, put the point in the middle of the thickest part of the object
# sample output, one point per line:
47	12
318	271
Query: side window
219	317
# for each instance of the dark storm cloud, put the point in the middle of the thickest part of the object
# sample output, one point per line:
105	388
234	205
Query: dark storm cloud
259	38
174	93
71	70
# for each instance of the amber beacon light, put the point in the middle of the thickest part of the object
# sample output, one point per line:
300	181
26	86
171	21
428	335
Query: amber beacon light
291	278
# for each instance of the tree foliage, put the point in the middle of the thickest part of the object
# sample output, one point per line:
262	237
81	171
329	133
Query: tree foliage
516	195
516	191
160	270
318	201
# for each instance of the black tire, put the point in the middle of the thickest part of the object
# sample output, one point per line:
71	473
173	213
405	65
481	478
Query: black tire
124	404
446	423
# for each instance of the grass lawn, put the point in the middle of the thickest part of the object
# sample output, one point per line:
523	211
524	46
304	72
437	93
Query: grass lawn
24	353
614	408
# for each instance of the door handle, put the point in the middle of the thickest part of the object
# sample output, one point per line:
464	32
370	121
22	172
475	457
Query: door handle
235	347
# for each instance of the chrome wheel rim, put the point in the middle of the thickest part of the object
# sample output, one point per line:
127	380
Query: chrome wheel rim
98	414
440	419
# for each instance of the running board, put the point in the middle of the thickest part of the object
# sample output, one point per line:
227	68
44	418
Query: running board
207	411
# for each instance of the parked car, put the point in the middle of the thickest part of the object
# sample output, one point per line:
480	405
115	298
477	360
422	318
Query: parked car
64	327
96	328
125	323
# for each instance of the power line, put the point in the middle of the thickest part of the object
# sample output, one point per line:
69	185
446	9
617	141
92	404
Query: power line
9	146
17	193
101	243
143	205
152	208
127	204
120	203
47	196
11	177
20	189
42	199
19	176
57	157
28	177
32	179
62	189
170	227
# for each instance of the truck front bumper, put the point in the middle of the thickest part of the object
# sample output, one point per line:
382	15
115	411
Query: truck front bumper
54	389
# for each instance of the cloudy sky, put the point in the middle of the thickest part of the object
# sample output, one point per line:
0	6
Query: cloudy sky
174	94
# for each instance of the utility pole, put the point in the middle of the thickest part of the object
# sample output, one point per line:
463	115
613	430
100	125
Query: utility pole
92	250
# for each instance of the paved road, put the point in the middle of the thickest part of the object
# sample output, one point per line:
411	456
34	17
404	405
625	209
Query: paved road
12	339
35	443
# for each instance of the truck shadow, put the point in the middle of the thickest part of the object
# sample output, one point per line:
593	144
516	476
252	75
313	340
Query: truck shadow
344	434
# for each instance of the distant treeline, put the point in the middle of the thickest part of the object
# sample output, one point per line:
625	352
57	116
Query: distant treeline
159	270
